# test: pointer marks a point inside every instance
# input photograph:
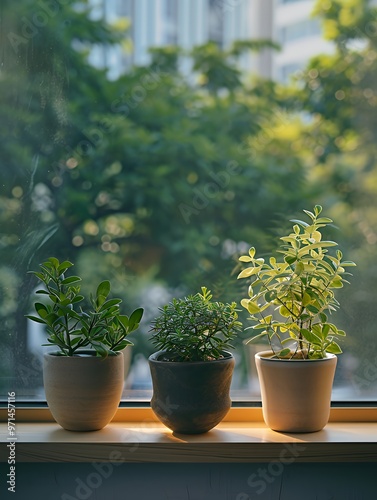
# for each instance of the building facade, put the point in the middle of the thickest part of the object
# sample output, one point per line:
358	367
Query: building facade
299	35
187	23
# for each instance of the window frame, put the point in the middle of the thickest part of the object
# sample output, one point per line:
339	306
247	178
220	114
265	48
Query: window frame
239	412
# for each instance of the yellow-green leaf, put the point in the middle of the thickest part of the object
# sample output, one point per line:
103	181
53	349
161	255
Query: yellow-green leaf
334	348
299	269
306	299
245	258
249	271
284	312
253	307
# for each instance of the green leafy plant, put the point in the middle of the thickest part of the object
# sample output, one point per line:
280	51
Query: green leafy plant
289	300
195	328
102	327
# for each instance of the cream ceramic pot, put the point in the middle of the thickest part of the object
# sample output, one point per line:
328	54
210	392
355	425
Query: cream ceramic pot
296	394
83	392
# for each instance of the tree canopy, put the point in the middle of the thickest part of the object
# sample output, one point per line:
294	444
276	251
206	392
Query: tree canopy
160	177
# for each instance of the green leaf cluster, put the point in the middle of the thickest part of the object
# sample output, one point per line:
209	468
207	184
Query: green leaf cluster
290	299
195	328
102	327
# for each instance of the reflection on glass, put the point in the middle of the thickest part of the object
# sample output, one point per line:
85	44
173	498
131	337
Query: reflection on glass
158	181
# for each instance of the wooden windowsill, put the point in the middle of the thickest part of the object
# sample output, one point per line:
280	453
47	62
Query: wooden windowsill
135	436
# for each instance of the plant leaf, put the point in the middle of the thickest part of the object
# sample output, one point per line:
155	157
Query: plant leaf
252	252
300	222
109	303
34	318
71	280
103	291
245	258
252	307
41	309
122	345
135	318
334	348
54	261
284	352
249	271
64	266
310	336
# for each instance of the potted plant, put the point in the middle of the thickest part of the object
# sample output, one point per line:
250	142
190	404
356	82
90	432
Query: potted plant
84	378
290	300
192	371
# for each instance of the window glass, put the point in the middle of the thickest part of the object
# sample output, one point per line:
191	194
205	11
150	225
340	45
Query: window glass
300	30
216	21
292	1
171	20
157	178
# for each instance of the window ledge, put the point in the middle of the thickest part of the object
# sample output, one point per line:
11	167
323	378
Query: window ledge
146	440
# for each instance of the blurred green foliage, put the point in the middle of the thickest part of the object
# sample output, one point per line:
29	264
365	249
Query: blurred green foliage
157	177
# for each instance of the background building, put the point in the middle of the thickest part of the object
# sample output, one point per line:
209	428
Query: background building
188	23
299	35
193	22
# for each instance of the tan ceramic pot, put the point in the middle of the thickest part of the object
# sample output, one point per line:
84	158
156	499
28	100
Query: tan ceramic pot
296	394
251	349
83	393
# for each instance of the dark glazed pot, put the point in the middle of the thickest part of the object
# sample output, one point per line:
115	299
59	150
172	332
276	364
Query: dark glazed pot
191	397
